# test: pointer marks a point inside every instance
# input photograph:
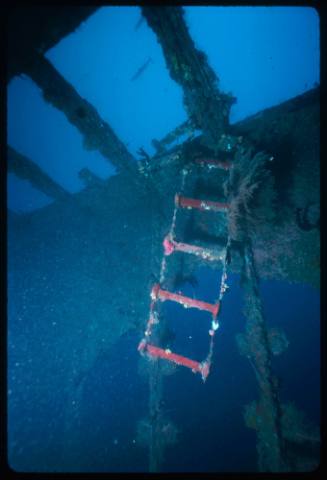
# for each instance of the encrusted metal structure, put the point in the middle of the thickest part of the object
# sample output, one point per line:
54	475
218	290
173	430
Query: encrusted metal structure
26	169
276	131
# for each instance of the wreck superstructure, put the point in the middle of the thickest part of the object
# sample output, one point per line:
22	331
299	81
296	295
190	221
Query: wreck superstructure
264	223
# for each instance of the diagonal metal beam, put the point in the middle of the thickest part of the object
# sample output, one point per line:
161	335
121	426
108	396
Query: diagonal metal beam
98	135
208	108
26	169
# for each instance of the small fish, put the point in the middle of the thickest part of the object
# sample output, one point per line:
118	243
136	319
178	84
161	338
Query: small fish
139	23
140	70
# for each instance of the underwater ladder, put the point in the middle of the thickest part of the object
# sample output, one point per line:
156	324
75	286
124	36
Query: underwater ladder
158	294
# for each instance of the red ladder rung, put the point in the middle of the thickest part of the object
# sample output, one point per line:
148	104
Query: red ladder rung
196	367
171	245
212	162
185	202
158	294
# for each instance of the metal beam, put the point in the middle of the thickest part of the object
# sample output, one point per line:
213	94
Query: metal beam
270	442
171	137
98	135
26	169
34	29
208	108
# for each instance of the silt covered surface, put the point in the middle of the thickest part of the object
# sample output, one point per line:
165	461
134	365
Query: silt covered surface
80	271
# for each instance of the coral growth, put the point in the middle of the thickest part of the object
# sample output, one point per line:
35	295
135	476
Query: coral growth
162	429
251	418
249	178
242	344
296	428
276	337
277	341
143	432
301	439
276	252
169	433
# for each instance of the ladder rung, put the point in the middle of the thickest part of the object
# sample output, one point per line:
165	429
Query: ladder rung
171	245
185	202
196	367
158	294
212	162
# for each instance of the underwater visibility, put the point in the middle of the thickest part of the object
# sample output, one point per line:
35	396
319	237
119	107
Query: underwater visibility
163	239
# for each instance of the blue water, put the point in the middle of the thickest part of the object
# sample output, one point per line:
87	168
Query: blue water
213	434
263	56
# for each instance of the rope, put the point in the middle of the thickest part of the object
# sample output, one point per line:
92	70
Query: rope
154	315
222	290
172	228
